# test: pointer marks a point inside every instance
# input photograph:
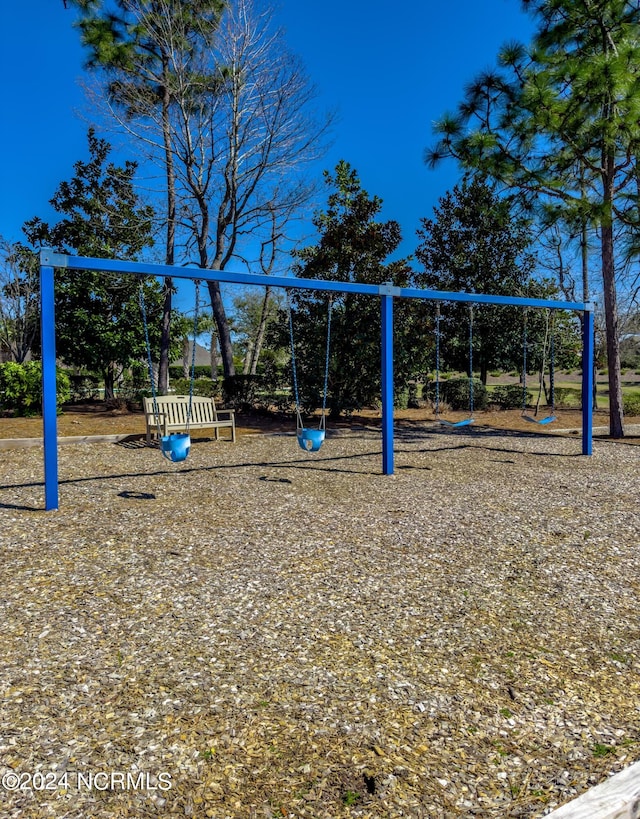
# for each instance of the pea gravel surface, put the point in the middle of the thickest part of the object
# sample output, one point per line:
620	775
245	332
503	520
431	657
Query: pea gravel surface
257	632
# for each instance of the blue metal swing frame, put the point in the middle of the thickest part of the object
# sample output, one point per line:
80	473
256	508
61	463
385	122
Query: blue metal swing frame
387	292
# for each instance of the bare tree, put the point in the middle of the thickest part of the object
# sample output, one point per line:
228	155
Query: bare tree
240	128
135	43
271	248
19	309
241	141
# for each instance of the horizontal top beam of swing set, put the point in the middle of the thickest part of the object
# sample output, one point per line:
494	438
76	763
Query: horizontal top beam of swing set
48	258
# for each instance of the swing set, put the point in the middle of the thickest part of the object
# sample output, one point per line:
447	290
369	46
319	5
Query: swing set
549	419
176	446
310	440
386	292
465	422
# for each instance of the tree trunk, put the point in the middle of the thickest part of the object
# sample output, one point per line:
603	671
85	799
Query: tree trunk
616	420
224	331
213	356
215	294
248	357
262	327
109	383
484	370
165	336
186	349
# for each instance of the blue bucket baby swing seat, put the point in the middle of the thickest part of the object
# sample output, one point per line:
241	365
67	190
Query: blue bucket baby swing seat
309	439
176	447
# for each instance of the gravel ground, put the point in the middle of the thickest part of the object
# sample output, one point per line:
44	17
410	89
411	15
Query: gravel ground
261	633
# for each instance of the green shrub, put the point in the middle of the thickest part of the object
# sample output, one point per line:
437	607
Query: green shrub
455	393
84	387
401	399
131	393
506	396
21	387
568	397
413	402
201	371
206	387
631	404
241	391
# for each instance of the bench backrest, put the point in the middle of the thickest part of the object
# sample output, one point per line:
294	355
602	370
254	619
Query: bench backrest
176	408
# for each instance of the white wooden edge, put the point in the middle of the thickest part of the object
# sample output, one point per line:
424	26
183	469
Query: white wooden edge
617	798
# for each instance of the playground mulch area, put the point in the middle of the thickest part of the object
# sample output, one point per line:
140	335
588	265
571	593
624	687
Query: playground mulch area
96	418
257	632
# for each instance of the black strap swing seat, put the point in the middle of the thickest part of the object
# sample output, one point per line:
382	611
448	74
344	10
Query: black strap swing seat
464	422
548	419
176	446
309	439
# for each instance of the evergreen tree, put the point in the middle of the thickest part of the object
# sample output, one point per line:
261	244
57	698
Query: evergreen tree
561	123
353	246
98	320
475	243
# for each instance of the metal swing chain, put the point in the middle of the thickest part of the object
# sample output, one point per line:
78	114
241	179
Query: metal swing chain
438	317
196	316
552	353
193	351
524	363
326	366
143	310
471	360
299	424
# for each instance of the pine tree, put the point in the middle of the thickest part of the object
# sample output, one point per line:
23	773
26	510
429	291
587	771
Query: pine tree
560	122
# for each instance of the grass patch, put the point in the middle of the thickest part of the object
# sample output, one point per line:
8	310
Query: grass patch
600	750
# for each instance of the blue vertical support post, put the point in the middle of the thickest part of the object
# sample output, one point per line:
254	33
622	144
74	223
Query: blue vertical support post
387	292
587	380
49	410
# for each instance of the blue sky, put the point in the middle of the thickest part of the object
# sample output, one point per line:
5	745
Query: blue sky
389	73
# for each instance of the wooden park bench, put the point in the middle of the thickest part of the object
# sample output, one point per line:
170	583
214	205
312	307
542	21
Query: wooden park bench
171	411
